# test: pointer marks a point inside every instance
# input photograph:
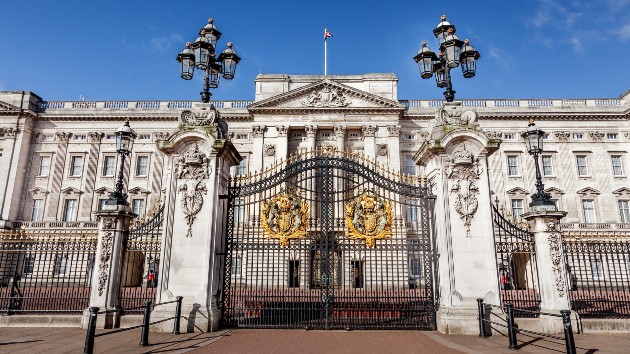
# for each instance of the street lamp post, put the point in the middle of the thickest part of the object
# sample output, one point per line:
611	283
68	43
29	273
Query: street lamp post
534	137
201	55
453	53
124	142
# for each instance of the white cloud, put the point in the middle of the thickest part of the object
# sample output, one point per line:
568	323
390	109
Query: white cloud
164	43
624	32
500	56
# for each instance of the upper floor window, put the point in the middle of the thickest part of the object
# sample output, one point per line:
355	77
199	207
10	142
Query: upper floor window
414	267
547	136
517	208
61	266
509	136
70	210
624	211
241	169
353	135
144	136
578	136
597	268
512	165
44	166
38	210
239	211
142	166
109	165
410	165
611	136
408	136
101	203
242	136
29	265
580	161
588	208
138	207
617	167
547	168
77	166
79	137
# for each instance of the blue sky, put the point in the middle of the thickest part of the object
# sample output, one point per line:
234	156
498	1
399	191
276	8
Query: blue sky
125	50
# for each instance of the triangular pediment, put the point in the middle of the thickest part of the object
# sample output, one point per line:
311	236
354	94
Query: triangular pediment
103	191
38	191
8	107
622	192
325	95
554	190
588	191
71	191
138	190
517	191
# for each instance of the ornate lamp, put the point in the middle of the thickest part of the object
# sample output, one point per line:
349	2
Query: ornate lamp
229	60
467	59
125	137
425	59
541	201
187	60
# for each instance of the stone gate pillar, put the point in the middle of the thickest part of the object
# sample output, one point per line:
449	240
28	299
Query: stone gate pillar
193	246
455	158
108	263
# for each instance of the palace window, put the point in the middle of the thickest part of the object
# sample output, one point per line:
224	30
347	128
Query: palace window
517	208
77	166
580	161
509	136
547	168
61	266
242	136
29	265
241	169
578	136
38	210
353	135
624	211
408	137
44	166
414	267
239	211
294	274
617	167
588	208
70	210
142	166
138	207
512	161
237	266
597	268
611	136
101	204
410	165
109	165
144	136
79	137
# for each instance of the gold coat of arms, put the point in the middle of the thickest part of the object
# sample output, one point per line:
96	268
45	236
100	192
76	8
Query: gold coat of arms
369	217
284	217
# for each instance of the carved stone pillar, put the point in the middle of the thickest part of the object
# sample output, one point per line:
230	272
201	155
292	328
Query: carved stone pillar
311	135
282	142
393	143
17	147
455	159
113	230
256	161
369	148
550	262
340	137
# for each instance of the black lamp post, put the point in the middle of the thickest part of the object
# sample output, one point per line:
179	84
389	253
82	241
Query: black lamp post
124	142
541	200
201	54
453	53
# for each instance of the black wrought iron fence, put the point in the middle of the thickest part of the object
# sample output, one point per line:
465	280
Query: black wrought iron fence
46	270
516	262
141	262
598	271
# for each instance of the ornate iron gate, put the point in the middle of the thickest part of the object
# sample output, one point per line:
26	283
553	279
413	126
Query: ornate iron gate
516	262
329	240
141	260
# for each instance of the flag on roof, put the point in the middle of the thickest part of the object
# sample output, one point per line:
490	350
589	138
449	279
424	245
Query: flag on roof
327	34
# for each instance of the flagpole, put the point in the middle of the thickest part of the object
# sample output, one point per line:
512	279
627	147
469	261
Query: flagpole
325	53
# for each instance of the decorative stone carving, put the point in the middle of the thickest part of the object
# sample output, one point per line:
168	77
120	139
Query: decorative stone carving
556	260
340	131
160	136
270	149
64	136
107	245
597	136
311	131
393	130
193	164
38	191
328	147
463	169
95	137
326	97
200	117
258	131
381	149
369	130
283	130
454	116
493	134
35	137
423	135
10	132
550	226
562	136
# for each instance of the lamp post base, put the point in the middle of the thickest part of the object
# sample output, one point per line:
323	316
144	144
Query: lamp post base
539	204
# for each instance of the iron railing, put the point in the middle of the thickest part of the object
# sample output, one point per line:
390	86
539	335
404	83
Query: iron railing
516	262
598	271
46	270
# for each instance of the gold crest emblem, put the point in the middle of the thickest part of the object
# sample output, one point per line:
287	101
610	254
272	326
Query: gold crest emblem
284	217
369	217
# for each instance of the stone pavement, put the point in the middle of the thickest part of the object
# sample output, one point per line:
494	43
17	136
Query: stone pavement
71	340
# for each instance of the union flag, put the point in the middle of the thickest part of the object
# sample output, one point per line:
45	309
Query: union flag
327	34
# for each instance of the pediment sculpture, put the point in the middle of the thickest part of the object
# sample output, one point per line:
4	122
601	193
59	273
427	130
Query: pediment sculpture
464	169
326	97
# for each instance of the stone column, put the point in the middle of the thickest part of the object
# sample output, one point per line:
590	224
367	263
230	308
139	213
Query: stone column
113	231
340	137
394	147
311	135
256	161
369	147
455	159
17	148
282	148
92	170
550	262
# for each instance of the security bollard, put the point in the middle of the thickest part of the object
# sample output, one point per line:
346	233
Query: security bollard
91	331
568	331
482	325
178	315
511	327
144	336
